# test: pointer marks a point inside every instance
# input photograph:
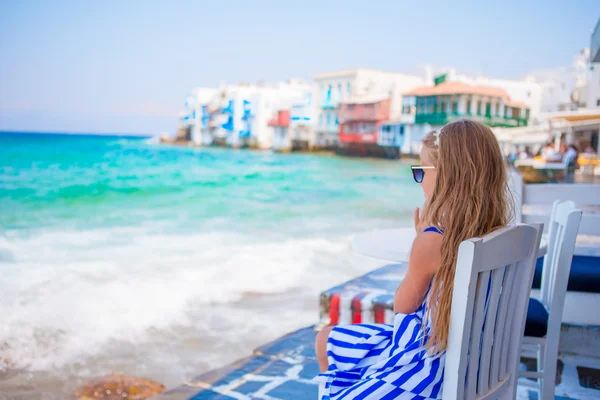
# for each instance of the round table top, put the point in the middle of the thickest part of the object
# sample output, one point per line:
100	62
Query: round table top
394	244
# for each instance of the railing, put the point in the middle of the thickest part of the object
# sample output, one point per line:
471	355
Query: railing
329	104
355	137
494	121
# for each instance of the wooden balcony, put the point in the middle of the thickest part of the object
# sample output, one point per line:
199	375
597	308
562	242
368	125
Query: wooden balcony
281	118
374	111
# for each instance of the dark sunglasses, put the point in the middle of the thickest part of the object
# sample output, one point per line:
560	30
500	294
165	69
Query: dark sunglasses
419	171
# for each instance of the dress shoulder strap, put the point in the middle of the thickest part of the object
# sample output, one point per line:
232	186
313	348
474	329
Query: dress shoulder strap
434	229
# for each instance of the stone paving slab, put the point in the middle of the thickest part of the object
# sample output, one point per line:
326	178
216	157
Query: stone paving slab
282	369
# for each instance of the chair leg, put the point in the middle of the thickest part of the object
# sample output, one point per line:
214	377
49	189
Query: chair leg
548	382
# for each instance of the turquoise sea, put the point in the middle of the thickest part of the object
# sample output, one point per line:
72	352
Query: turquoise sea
123	255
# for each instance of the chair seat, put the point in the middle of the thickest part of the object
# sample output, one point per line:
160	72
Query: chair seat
537	319
584	276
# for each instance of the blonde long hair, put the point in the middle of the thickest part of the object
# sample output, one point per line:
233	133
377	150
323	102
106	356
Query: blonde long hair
470	199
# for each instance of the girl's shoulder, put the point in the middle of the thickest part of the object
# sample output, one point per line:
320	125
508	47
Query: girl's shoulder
426	250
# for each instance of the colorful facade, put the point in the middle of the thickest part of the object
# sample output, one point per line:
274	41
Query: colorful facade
281	130
362	129
440	104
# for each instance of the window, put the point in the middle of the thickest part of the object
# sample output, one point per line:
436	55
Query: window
328	119
455	108
340	93
479	108
441	107
348	89
497	108
598	102
528	94
469	107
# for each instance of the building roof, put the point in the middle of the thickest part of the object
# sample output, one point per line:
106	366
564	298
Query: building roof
516	104
447	88
582	114
353	72
336	74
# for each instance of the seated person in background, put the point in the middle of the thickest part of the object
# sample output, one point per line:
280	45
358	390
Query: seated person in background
570	154
589	149
550	154
525	154
570	157
465	186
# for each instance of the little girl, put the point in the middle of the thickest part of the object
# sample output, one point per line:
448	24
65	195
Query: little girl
466	195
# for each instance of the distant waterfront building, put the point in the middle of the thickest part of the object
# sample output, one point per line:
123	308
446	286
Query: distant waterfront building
239	115
281	131
360	123
565	88
194	117
527	90
430	107
356	86
294	123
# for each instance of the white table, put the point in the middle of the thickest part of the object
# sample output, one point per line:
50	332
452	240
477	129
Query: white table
394	244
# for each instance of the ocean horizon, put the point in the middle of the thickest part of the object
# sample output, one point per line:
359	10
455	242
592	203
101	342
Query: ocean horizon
123	255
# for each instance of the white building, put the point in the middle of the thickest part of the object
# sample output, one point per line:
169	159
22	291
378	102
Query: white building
238	115
334	88
294	123
564	88
193	117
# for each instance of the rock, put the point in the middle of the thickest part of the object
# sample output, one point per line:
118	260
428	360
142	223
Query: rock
118	387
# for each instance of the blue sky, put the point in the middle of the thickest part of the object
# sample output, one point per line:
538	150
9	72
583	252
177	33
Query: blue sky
126	66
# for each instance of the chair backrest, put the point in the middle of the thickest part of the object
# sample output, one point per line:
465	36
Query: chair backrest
562	233
487	320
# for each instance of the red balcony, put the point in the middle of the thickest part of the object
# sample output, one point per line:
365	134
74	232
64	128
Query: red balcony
373	111
359	132
281	118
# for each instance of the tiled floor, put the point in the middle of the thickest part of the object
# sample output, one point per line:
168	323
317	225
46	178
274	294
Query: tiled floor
282	369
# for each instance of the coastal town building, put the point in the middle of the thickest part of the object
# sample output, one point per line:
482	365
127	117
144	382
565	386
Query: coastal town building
239	115
365	87
427	108
565	88
294	123
354	103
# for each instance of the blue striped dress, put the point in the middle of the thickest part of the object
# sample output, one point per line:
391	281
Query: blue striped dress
380	361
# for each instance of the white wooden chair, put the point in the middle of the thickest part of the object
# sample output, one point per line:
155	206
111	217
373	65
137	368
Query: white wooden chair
491	290
544	318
